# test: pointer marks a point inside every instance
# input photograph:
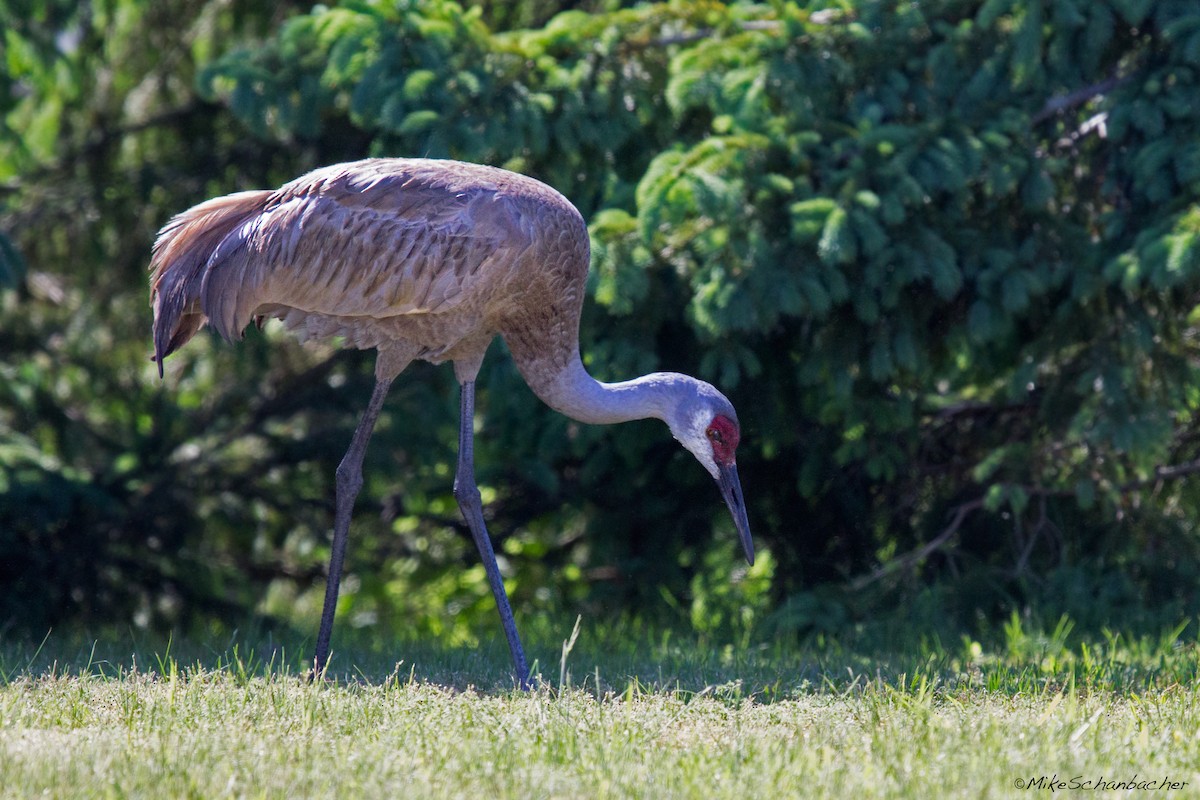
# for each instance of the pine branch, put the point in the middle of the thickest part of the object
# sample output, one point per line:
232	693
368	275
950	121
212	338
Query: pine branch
706	33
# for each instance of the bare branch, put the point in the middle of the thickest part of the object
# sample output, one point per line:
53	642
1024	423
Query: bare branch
912	559
1164	474
1062	102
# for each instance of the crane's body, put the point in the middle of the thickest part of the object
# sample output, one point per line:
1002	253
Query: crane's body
421	259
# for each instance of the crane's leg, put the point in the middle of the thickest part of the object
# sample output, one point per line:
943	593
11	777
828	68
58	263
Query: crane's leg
349	481
466	491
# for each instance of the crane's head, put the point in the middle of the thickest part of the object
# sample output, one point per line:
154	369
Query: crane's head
705	423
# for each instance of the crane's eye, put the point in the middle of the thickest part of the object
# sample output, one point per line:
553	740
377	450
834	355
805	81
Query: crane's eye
723	433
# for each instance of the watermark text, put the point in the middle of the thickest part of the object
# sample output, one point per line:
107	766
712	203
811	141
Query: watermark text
1078	783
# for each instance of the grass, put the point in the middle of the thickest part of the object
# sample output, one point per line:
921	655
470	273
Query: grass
621	712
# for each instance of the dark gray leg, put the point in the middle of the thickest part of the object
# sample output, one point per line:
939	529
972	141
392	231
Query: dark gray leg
466	491
349	481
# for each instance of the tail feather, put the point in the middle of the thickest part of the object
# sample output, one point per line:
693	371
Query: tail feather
181	255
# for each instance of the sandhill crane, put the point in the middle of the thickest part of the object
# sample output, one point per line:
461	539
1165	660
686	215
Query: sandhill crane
422	259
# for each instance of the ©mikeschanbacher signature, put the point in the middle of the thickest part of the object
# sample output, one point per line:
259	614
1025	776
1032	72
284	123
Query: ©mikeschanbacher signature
1054	783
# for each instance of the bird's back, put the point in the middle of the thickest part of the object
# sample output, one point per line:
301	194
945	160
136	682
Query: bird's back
379	250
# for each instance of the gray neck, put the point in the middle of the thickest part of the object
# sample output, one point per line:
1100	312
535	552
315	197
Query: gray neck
580	396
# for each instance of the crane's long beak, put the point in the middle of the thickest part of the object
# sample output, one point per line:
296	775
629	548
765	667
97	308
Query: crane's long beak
731	490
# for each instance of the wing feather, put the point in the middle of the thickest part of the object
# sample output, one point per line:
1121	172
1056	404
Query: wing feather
180	257
343	248
357	244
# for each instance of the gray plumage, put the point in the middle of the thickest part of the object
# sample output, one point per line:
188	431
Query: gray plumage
421	259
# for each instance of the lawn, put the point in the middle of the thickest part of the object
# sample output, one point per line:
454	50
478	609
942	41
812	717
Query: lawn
625	712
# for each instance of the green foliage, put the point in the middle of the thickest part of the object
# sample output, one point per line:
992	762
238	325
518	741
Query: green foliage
943	264
101	517
944	256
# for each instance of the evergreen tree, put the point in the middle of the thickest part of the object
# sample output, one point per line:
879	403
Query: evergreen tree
943	256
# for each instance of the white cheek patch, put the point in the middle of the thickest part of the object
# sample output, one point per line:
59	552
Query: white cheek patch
698	445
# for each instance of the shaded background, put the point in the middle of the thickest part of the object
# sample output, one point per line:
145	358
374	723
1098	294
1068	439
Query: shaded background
943	256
